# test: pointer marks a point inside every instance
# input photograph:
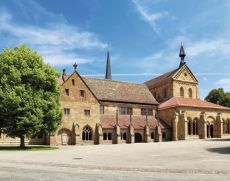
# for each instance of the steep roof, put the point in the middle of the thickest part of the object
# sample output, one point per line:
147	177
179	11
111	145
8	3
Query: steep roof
189	102
155	81
118	91
138	122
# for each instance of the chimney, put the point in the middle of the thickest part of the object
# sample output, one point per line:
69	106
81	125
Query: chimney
63	75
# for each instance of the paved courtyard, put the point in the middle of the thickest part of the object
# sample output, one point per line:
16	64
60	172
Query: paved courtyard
182	160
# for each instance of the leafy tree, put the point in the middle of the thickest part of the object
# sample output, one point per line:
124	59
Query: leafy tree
218	96
29	94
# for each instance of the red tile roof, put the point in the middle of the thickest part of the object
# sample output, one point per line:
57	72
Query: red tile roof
111	90
138	122
189	102
154	82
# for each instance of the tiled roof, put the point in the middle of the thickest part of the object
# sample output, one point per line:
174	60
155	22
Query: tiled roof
154	82
189	102
110	90
138	122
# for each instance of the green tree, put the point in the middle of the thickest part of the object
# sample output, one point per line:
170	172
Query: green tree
218	96
29	94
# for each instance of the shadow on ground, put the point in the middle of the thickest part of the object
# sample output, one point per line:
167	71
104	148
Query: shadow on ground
221	150
218	139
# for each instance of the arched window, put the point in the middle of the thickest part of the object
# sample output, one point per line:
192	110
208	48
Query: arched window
87	133
182	92
124	136
104	136
109	136
190	92
152	135
194	127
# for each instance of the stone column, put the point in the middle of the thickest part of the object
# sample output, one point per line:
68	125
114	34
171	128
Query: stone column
131	134
158	134
184	121
117	134
218	131
99	134
175	126
203	126
147	134
76	132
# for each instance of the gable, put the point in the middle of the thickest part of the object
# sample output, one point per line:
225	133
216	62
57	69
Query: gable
74	89
185	74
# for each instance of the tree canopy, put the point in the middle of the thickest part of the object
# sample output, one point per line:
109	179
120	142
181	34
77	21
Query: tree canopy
29	94
219	96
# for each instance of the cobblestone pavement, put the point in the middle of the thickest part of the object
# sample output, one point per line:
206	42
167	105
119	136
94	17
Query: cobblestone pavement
182	160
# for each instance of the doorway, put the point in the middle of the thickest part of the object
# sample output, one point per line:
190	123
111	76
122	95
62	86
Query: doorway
138	138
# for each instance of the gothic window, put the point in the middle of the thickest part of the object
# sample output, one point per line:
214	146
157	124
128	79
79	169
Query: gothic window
87	133
182	92
152	135
190	92
109	136
104	136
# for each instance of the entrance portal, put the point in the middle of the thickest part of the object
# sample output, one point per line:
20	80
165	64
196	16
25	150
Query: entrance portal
138	138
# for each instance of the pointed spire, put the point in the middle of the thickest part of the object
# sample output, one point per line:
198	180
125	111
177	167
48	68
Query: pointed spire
182	55
108	68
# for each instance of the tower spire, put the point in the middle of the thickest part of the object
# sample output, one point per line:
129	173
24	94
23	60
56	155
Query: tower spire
182	55
108	68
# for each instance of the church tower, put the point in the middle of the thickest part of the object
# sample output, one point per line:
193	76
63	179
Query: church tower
108	68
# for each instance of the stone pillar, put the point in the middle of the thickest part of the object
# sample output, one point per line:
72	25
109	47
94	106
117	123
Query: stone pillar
76	133
184	122
117	134
147	134
203	126
175	126
218	130
131	134
99	134
158	134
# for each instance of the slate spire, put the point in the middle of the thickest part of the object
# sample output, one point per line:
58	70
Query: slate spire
182	55
108	68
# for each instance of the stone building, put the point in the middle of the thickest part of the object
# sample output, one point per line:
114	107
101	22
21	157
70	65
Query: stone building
105	111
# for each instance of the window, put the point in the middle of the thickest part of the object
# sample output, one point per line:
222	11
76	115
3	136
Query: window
152	135
148	111
66	111
104	136
125	110
87	133
109	136
182	92
165	93
67	92
102	109
190	92
73	82
87	112
82	93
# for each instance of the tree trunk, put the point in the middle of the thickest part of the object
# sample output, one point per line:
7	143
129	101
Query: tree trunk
22	140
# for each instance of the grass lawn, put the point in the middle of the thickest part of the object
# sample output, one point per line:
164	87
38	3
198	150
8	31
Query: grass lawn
27	148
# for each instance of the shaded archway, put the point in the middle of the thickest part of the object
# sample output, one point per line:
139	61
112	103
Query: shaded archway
138	138
65	136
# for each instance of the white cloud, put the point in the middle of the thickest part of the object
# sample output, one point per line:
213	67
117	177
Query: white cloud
224	83
57	41
148	16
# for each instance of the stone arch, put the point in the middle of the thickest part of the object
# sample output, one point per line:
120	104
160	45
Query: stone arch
190	130
87	133
190	92
65	136
210	126
138	138
181	92
195	126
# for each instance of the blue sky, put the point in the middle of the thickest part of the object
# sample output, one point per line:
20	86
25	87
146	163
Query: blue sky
144	36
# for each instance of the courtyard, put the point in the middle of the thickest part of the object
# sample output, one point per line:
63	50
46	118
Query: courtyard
182	160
